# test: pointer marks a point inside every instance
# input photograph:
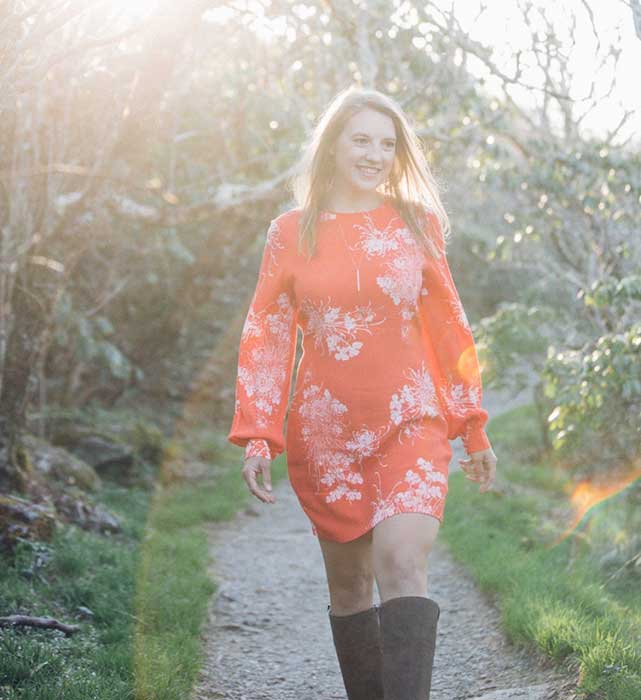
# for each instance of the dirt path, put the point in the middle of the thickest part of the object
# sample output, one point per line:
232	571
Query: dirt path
268	636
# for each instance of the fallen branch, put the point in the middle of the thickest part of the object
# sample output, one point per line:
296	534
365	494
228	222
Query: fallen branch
49	622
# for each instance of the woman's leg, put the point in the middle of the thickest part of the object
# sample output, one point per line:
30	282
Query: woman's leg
408	618
353	618
400	548
350	574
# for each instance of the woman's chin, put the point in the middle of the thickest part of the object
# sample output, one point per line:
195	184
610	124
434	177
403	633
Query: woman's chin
365	186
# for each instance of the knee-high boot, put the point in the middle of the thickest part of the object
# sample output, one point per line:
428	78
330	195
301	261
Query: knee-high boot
358	648
408	636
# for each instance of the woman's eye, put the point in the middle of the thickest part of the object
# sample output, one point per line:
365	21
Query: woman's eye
364	140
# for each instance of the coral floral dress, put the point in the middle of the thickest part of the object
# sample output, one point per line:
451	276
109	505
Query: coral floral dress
388	373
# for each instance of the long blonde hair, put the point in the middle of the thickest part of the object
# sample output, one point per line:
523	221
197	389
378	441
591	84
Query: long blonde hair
412	188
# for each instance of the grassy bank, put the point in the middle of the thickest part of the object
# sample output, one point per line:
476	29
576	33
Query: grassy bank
550	582
146	588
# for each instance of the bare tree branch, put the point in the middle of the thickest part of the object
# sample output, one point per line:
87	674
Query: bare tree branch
41	622
635	5
80	49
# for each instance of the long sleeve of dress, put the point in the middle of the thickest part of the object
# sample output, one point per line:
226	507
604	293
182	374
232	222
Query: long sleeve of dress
266	356
450	337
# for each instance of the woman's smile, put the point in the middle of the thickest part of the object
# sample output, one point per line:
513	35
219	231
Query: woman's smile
368	172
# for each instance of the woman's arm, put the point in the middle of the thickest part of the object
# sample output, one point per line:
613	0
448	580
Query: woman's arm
450	337
266	356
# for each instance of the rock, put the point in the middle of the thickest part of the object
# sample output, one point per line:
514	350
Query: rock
126	452
105	521
21	519
100	451
85	613
59	464
76	509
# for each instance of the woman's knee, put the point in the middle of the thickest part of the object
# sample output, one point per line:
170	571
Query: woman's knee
352	593
401	546
401	567
350	574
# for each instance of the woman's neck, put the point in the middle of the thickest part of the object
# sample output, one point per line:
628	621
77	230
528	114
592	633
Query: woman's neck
336	202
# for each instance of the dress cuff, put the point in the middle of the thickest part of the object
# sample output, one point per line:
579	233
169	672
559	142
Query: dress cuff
474	438
257	447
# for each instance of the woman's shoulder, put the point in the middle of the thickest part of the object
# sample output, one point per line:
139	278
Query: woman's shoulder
289	216
287	221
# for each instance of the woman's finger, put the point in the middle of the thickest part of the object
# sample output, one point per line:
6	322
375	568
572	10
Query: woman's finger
267	477
257	490
249	474
251	481
261	493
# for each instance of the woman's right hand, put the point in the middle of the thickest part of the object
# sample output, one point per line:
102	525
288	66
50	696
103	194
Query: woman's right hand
252	468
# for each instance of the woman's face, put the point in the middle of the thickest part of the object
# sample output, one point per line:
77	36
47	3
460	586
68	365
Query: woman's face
364	153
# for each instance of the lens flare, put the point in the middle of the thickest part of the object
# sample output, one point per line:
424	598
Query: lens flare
587	494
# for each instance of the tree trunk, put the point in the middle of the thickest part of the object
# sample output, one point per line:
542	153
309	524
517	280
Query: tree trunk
34	295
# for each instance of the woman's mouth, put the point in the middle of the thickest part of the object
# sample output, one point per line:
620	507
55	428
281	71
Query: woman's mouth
368	172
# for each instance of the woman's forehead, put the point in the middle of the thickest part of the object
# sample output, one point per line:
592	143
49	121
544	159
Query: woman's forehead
371	123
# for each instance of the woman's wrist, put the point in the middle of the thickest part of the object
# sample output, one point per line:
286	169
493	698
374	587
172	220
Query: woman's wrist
474	438
257	447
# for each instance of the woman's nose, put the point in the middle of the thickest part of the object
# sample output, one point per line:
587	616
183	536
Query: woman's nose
374	155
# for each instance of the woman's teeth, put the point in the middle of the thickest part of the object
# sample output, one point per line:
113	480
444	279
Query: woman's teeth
368	171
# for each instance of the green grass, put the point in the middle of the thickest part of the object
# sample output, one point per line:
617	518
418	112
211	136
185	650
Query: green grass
551	590
147	587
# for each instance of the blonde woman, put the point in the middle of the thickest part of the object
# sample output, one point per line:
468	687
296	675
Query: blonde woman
388	376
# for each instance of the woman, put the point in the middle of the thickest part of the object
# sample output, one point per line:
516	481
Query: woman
388	375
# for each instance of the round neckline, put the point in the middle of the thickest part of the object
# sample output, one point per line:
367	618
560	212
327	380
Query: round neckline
355	213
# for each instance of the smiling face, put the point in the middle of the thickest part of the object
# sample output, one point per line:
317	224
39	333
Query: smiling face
364	155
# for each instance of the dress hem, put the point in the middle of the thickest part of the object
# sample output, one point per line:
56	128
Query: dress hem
363	532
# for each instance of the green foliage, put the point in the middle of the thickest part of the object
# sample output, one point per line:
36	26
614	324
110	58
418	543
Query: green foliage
572	218
91	340
511	339
613	293
517	429
597	392
148	441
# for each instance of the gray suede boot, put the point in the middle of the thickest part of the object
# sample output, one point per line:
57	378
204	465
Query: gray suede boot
358	648
408	636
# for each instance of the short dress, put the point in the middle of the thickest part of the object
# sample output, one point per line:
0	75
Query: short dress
387	377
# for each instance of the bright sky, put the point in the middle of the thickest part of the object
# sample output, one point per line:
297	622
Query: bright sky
502	28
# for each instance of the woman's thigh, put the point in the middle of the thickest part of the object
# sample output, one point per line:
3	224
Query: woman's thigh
350	573
400	548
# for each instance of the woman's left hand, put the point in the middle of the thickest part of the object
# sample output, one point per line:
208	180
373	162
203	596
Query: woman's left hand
480	466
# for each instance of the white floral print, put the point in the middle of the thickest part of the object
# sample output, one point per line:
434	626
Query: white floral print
460	399
336	330
458	312
273	244
365	443
377	242
323	420
420	491
403	277
415	400
333	451
263	371
257	447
